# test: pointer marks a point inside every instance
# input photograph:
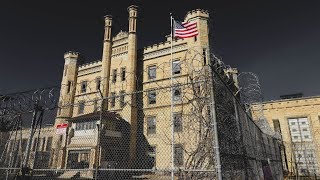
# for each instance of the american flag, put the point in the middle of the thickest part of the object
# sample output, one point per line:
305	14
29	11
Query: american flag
185	29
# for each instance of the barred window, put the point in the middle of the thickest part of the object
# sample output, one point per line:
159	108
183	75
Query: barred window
85	125
81	107
83	86
176	67
122	103
176	90
152	72
151	125
152	97
178	155
114	76
113	99
177	121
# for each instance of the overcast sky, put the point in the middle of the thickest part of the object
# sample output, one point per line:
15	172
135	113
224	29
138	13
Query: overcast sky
278	40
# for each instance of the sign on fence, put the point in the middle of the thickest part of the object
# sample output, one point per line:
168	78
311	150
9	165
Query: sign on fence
61	128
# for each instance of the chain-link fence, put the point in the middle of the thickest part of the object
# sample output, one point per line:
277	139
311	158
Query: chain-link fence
245	150
158	132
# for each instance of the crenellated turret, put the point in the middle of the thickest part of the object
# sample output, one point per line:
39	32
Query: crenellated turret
202	18
68	84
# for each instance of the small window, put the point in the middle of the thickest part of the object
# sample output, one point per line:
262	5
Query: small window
69	87
177	120
152	97
81	108
310	155
204	54
295	137
83	86
197	88
24	144
113	99
59	110
276	125
152	72
43	144
65	70
176	67
98	82
307	137
178	155
152	153
292	123
95	105
49	144
151	125
294	130
114	75
303	122
304	129
122	103
209	111
123	74
176	90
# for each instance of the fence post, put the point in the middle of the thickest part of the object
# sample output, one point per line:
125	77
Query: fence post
25	168
215	129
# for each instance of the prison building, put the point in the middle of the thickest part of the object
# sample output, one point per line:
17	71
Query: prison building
139	86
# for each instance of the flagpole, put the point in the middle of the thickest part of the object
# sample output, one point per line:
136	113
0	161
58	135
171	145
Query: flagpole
172	120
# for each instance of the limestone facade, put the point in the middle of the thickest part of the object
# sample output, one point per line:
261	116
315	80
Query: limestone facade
124	69
298	122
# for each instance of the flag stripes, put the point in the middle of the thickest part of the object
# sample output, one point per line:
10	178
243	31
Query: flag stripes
185	29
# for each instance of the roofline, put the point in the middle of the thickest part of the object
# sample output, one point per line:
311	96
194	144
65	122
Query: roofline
293	99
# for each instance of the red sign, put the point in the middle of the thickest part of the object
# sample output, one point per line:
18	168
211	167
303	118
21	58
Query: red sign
62	128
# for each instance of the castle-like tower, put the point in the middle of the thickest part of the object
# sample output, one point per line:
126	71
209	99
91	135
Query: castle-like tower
65	111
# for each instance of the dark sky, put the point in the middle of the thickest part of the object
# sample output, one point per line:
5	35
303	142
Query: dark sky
276	39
